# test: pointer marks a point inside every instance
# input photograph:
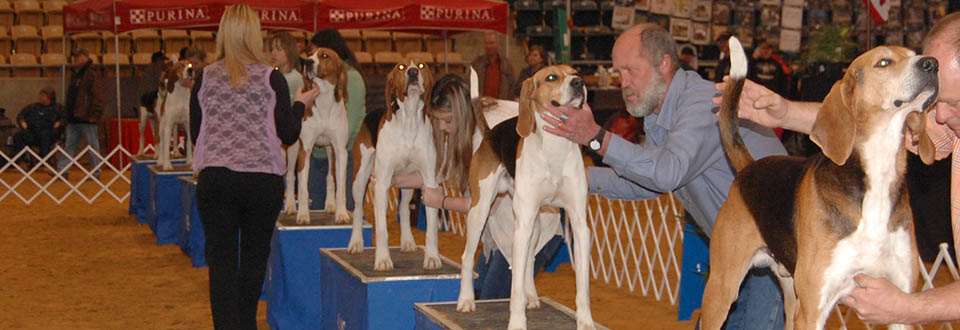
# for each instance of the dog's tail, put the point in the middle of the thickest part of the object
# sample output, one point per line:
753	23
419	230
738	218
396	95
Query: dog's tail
729	130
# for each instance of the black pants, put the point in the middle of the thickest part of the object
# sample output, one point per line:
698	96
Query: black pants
237	205
42	138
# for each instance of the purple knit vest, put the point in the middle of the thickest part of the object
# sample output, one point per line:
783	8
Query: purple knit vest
238	130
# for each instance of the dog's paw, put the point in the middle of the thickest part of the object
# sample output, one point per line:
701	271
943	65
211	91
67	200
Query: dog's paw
343	216
356	246
466	303
517	322
408	245
585	325
533	302
289	207
303	217
431	262
167	166
329	205
382	264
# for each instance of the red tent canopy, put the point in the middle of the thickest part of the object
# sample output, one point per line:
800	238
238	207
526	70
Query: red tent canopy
126	15
429	16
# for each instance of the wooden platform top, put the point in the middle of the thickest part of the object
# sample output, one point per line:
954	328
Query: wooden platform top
406	265
318	220
178	169
495	314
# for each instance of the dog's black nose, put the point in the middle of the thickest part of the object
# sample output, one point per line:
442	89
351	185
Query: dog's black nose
413	72
577	83
928	64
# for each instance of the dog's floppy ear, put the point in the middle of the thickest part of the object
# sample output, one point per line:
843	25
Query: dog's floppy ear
392	92
835	127
340	93
917	124
526	122
171	78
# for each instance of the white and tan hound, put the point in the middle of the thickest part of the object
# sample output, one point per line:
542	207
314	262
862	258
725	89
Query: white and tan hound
323	125
398	140
539	169
174	110
819	221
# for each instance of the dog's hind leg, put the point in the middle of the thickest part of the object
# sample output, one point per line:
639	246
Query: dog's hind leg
789	298
340	154
407	244
482	193
188	144
142	125
289	194
303	178
733	245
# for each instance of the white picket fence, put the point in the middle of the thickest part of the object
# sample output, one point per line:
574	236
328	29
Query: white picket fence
636	244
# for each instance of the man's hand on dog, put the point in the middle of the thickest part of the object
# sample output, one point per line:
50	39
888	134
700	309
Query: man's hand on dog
876	300
757	103
579	126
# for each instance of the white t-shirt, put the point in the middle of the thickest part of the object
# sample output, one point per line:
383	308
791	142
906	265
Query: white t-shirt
501	223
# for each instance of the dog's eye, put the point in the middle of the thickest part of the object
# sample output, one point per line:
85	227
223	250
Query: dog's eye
420	65
401	67
324	55
190	65
551	77
884	63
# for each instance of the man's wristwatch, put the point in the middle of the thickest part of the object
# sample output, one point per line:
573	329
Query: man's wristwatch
597	141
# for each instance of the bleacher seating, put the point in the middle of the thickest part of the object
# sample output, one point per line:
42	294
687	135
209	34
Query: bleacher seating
4	68
386	60
123	40
435	44
450	62
141	59
606	12
540	35
147	41
110	60
52	36
26	39
353	39
423	57
365	61
28	13
585	13
52	63
174	40
528	14
90	41
204	40
25	65
6	43
549	10
408	42
53	11
6	14
377	41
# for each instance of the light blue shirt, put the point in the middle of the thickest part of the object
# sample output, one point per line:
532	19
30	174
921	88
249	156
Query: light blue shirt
682	153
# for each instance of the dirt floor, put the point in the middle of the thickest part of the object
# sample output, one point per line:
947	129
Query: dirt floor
91	266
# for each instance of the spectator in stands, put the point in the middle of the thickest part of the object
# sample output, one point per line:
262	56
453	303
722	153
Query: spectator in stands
356	110
536	60
688	59
7	128
767	69
84	106
239	117
495	73
723	64
456	121
284	55
681	154
38	123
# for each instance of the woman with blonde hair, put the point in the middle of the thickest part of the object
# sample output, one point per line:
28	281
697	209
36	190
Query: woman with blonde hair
459	125
240	115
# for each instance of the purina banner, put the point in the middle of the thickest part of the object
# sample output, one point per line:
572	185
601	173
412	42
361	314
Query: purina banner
430	16
94	15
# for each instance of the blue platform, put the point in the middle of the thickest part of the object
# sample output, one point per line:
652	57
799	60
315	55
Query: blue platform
140	184
294	278
357	297
190	235
694	267
164	207
495	314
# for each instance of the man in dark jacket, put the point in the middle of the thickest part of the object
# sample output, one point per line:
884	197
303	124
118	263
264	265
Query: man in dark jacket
38	124
84	106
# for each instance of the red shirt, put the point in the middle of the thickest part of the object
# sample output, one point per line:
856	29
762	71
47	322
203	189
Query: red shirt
491	83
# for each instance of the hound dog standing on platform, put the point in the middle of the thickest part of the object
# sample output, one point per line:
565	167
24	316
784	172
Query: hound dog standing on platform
173	110
819	221
323	125
398	140
539	169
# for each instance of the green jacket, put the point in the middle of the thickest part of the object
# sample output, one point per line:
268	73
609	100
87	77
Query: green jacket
356	108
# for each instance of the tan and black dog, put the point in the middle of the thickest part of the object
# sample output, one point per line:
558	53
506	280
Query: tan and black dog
819	221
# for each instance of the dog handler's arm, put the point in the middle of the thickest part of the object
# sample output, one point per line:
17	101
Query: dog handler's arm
762	106
436	198
288	118
876	300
